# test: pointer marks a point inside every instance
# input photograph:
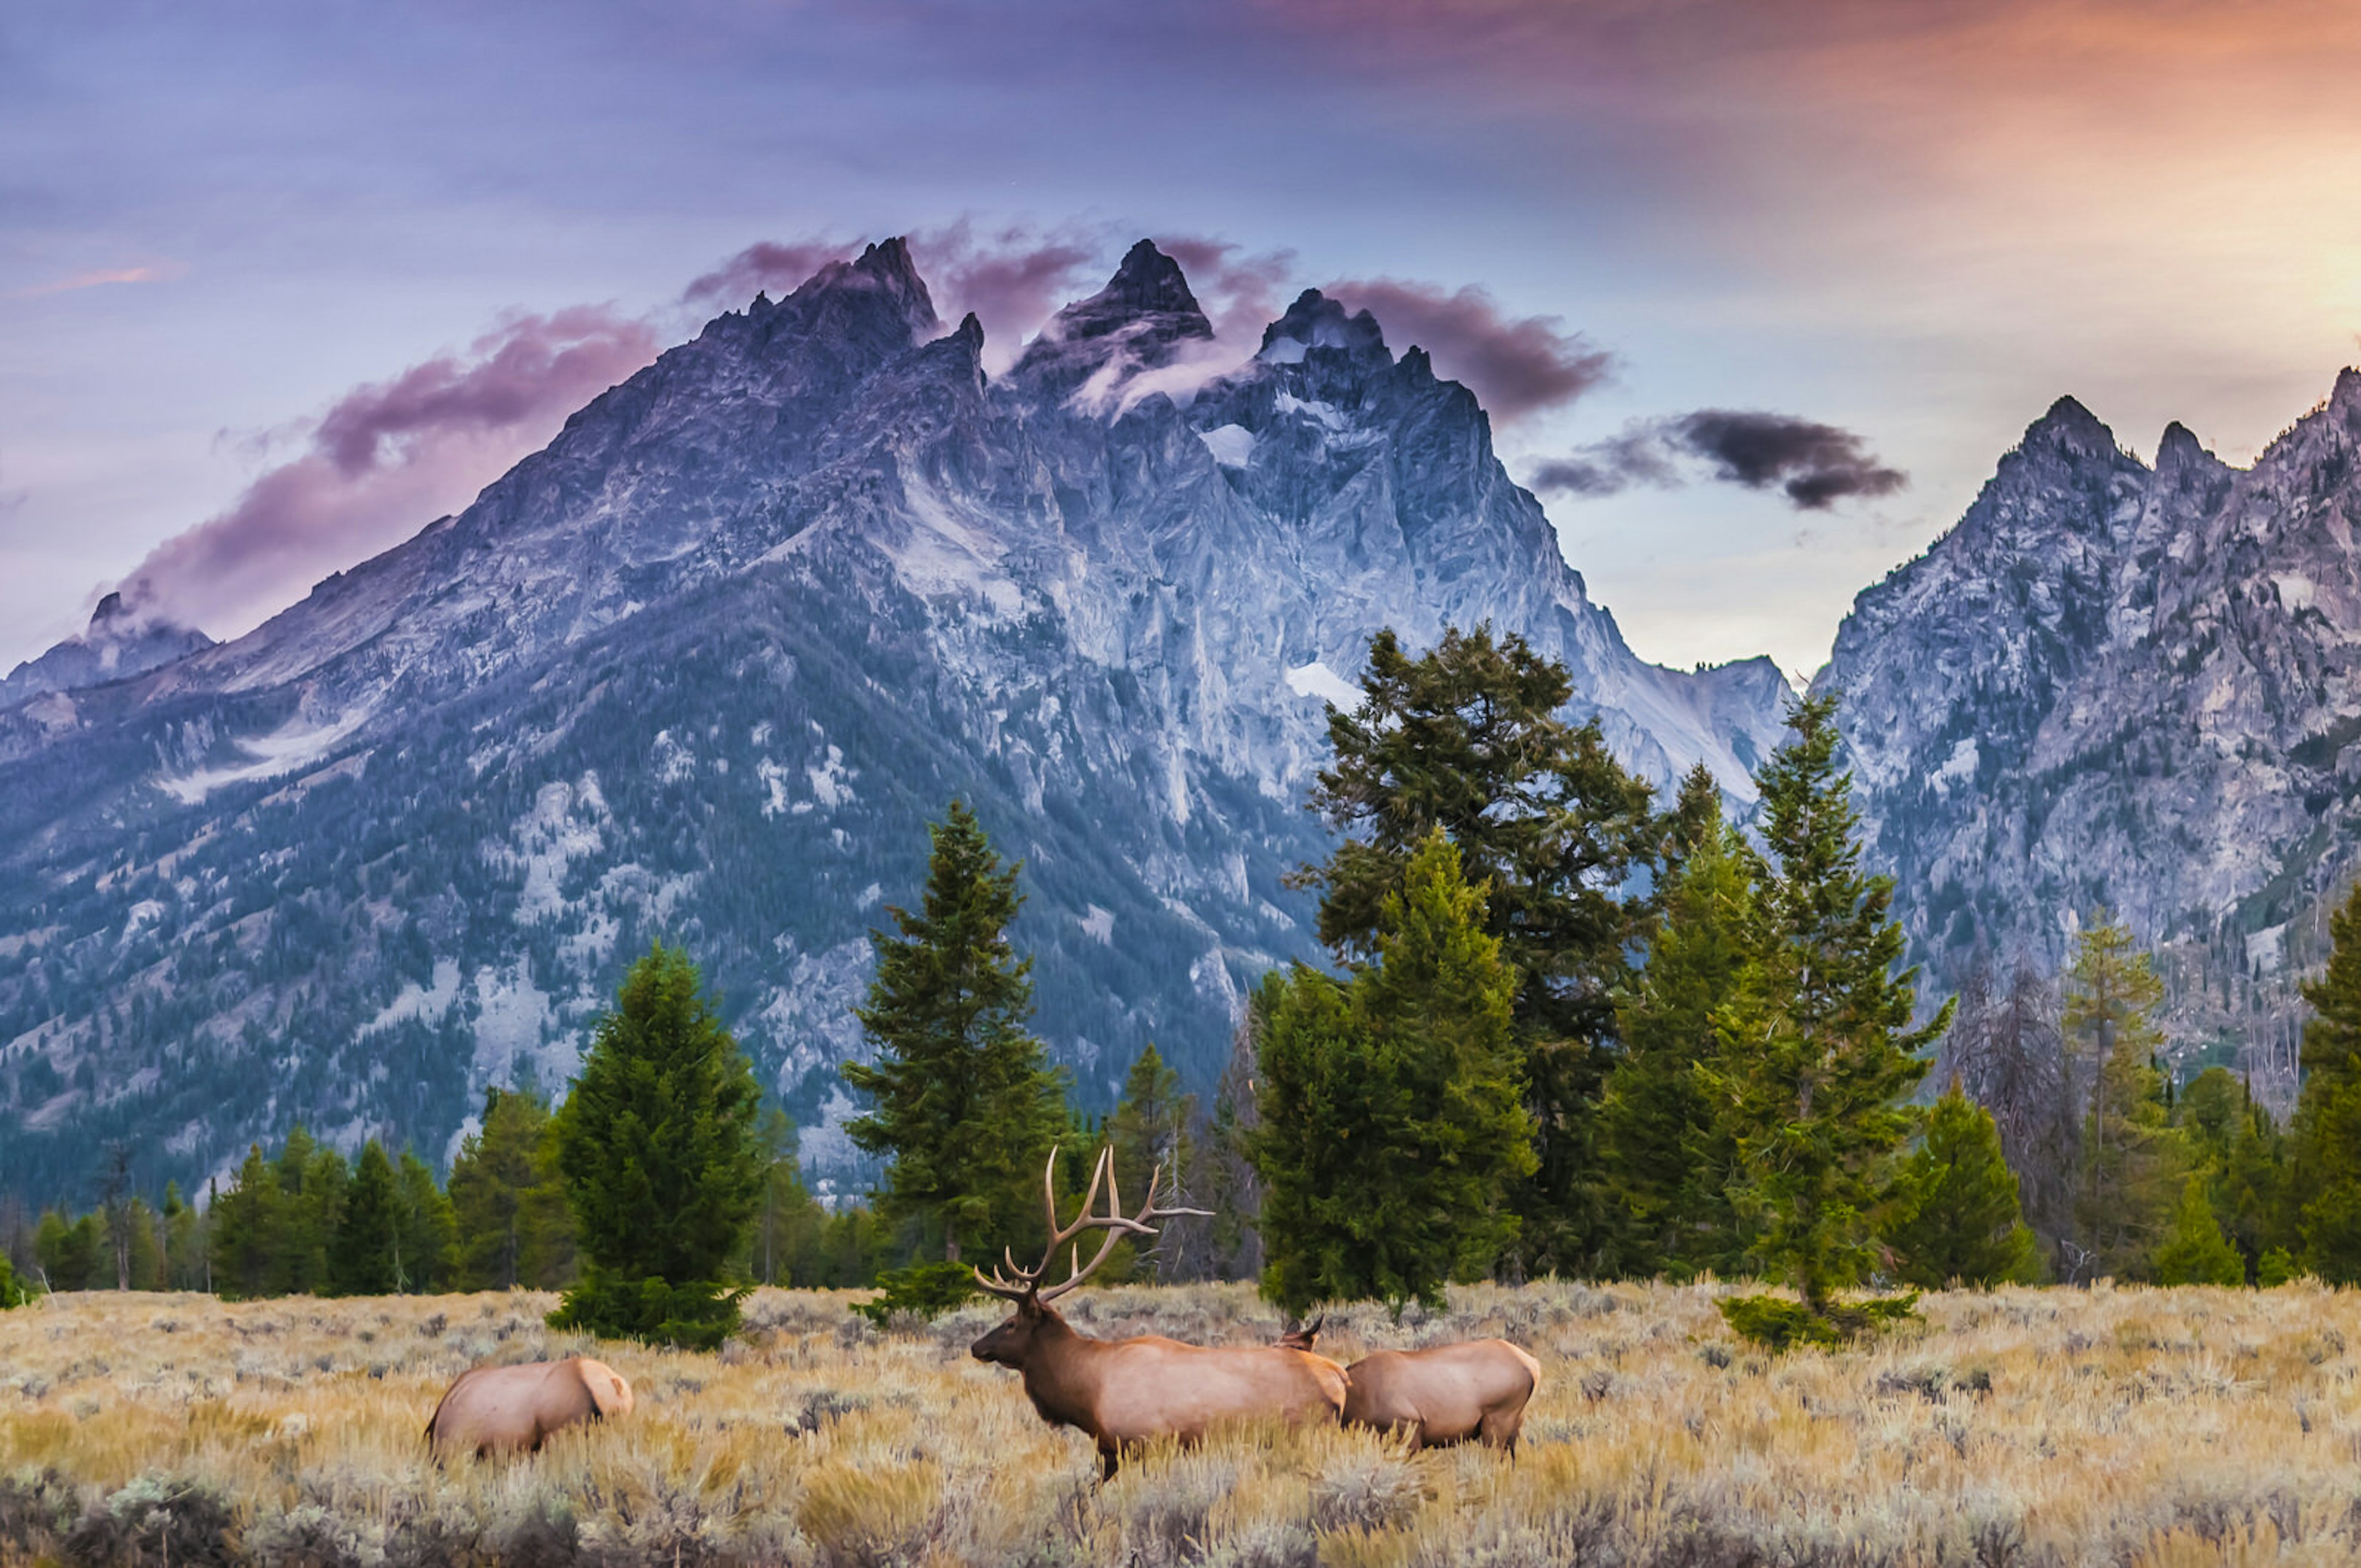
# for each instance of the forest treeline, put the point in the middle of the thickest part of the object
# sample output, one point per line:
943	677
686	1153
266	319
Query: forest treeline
1566	1028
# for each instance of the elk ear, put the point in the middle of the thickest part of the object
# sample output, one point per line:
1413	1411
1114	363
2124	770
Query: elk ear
608	1389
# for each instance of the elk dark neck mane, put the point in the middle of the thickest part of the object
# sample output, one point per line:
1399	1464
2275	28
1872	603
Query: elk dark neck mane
1058	1373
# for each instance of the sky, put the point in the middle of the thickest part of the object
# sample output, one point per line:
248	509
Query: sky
1757	292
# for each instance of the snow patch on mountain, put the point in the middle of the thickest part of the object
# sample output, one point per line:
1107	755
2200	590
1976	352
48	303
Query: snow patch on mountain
1316	679
296	744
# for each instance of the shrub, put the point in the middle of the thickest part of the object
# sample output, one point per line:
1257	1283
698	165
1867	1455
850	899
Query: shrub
924	1290
1780	1324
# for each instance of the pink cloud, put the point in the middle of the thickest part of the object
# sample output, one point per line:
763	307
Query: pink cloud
767	267
1516	365
152	272
383	461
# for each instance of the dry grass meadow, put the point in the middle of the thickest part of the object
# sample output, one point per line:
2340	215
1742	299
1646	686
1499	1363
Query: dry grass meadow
2116	1426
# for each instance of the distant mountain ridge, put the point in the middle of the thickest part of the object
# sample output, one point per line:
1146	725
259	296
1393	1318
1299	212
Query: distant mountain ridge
2131	686
705	667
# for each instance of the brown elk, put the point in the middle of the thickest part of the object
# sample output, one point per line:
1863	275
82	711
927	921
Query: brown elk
494	1408
1123	1392
1444	1394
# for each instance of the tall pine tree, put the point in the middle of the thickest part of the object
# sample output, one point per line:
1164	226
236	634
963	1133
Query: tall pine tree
363	1257
656	1146
1151	1131
2327	1131
1667	1155
1393	1125
1959	1219
961	1097
2134	1162
511	1223
1467	739
1817	1050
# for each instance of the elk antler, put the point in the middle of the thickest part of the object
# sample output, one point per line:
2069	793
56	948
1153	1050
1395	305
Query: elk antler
1020	1284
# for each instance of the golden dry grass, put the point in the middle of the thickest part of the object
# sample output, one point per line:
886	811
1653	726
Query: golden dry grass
2132	1426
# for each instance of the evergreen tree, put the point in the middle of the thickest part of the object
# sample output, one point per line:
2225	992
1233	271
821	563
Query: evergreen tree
1959	1219
657	1145
1817	1050
12	1293
511	1221
186	1267
2134	1160
143	1255
1152	1131
363	1257
426	1231
72	1253
2327	1131
1393	1123
1668	1157
2243	1154
245	1231
2196	1252
1467	738
961	1098
788	1222
310	1186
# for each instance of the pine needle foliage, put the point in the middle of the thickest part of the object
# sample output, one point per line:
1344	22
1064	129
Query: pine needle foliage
363	1257
2327	1131
1393	1122
2134	1160
511	1227
1961	1222
2196	1253
656	1146
1467	738
1816	1047
1665	1154
963	1098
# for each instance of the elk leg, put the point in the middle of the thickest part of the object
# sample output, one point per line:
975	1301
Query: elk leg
1107	1458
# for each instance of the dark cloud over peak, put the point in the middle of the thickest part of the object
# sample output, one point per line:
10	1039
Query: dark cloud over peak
1816	465
1516	365
1812	464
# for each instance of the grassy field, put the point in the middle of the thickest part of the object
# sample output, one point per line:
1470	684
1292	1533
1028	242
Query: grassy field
2132	1426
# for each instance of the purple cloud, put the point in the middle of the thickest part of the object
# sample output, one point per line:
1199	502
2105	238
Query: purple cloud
384	460
764	266
1814	464
1516	365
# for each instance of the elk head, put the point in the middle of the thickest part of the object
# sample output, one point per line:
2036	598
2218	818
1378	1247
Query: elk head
1011	1344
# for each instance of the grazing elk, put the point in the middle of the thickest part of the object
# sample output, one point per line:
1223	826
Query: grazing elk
493	1408
1123	1392
1444	1394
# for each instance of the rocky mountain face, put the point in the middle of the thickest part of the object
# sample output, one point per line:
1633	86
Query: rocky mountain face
704	668
2135	687
115	646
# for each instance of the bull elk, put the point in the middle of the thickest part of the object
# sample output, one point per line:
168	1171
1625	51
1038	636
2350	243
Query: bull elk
1125	1392
494	1408
1444	1394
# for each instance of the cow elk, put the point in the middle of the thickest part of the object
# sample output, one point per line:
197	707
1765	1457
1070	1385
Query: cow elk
1125	1392
495	1408
1444	1394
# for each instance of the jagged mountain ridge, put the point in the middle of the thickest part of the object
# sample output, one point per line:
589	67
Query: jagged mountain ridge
706	664
115	646
2131	686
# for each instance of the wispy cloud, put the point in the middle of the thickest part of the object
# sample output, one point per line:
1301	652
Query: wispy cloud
1813	465
385	459
1517	365
148	272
